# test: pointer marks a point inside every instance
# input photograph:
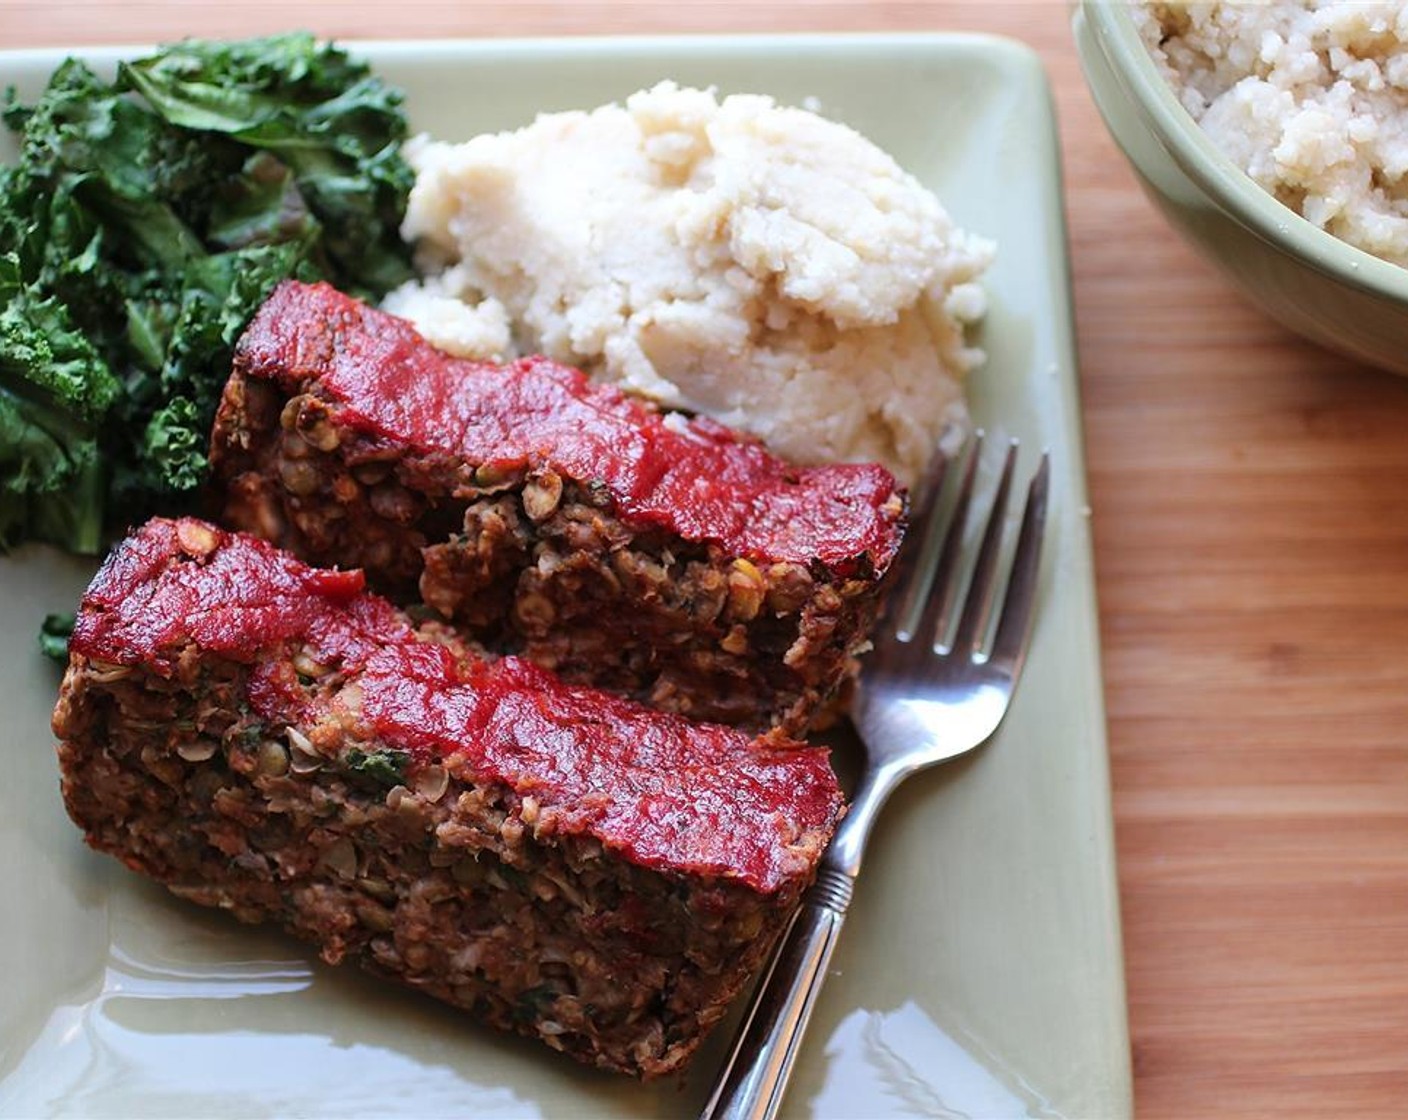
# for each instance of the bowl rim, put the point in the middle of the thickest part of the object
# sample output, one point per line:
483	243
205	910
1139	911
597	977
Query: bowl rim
1207	165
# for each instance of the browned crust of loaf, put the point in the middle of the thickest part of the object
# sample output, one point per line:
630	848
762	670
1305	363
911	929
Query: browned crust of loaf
439	882
540	565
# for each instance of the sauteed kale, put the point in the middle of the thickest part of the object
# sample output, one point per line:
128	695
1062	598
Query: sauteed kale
144	222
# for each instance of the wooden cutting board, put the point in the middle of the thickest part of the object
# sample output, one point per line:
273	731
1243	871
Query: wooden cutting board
1250	498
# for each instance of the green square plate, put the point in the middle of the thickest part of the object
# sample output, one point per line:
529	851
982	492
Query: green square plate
980	974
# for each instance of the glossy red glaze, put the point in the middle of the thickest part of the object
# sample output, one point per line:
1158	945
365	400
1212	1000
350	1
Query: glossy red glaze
696	479
176	583
677	797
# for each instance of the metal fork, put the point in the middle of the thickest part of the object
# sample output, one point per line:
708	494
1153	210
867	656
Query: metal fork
928	691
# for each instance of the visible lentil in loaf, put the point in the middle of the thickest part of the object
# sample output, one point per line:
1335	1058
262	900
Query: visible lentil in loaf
747	609
243	754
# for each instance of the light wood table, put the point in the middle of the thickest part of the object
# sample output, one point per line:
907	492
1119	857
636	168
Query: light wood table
1250	499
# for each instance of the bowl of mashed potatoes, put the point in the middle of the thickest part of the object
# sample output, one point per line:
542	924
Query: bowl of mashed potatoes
1274	137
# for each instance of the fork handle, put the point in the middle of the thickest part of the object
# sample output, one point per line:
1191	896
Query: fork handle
765	1048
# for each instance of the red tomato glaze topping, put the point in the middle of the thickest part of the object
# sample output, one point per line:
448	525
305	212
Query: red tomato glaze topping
694	478
677	797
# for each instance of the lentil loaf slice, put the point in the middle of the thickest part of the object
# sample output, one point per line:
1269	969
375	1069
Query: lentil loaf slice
273	740
667	558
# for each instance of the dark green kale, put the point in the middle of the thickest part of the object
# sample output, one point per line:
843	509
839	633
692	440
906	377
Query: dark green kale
146	220
55	391
54	635
384	767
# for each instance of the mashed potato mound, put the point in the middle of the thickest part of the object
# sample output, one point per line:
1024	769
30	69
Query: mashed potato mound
1309	98
756	263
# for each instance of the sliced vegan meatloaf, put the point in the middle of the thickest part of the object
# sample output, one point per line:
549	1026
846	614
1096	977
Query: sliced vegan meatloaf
663	557
271	739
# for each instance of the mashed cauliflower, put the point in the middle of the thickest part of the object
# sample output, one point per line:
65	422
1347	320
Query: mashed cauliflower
756	263
1310	98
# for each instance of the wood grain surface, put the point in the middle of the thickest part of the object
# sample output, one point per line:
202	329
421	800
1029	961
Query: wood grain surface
1250	497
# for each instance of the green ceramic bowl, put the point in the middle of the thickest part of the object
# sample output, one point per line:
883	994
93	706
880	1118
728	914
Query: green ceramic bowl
1313	283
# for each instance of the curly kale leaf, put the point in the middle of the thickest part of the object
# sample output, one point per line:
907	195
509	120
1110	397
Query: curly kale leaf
55	390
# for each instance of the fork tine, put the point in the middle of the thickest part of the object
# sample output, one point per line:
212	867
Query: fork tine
934	619
977	607
903	574
1009	645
